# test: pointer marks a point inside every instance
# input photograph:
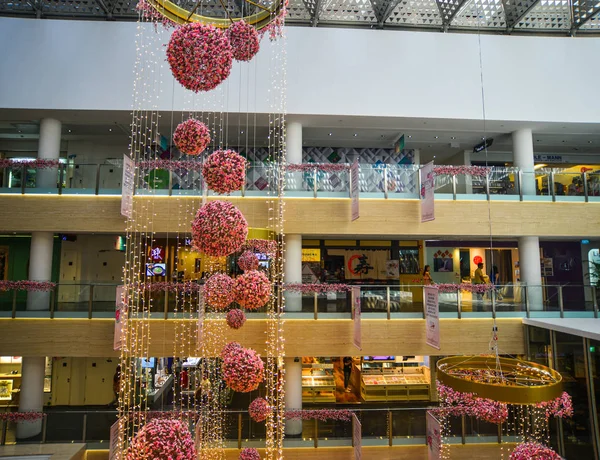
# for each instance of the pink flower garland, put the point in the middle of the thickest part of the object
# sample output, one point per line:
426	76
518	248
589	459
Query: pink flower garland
235	318
17	417
259	410
461	170
342	415
162	438
451	287
268	247
310	288
27	285
40	163
244	40
219	229
218	291
561	407
224	171
533	451
200	56
171	165
457	403
150	14
249	454
252	290
275	27
325	167
191	137
247	261
243	370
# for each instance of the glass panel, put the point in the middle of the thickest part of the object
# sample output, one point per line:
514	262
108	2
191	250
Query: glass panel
98	426
374	424
72	297
409	424
64	426
110	178
80	179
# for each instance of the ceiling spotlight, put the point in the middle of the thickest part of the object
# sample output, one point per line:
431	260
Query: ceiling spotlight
453	137
110	129
331	134
69	130
434	156
590	142
355	134
20	131
437	137
241	132
409	136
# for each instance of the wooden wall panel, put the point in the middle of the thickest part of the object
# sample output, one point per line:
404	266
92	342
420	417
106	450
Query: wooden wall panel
93	338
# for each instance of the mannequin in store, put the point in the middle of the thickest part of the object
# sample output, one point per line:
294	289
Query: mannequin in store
348	362
427	275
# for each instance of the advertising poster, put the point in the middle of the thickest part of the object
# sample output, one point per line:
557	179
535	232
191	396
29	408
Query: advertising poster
127	185
427	192
356	437
547	266
354	189
120	314
432	316
113	453
356	314
434	437
392	269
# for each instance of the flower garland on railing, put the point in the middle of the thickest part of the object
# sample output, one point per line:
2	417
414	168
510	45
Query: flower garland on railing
40	163
322	415
451	287
458	404
461	170
171	165
533	451
27	285
17	417
325	167
561	407
310	288
186	287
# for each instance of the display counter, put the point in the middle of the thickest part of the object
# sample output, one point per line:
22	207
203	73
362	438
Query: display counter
395	385
318	385
10	385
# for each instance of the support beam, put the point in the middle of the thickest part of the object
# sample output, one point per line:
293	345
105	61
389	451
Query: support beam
516	10
383	9
314	9
582	11
448	10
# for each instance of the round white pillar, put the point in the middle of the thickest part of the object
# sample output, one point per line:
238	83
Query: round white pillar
292	270
531	271
31	395
40	268
48	148
293	393
293	144
523	158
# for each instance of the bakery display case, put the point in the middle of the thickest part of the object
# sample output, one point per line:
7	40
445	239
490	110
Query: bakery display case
395	380
318	384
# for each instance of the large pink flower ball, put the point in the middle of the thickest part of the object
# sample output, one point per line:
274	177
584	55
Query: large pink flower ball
244	40
200	56
224	171
218	291
249	454
191	137
533	451
252	290
247	261
219	229
243	370
259	410
162	438
229	349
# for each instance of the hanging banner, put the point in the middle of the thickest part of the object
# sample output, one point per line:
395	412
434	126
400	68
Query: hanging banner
127	184
427	192
354	189
356	314
113	453
432	316
434	437
120	315
356	437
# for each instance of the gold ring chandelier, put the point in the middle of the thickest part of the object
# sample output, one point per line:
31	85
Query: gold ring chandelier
505	380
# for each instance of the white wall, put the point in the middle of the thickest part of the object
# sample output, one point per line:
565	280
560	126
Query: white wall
88	65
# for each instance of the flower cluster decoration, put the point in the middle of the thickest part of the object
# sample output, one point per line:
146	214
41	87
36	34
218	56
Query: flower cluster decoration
249	454
561	407
268	247
243	370
200	56
458	403
224	171
322	415
17	417
461	170
275	27
309	288
162	438
477	288
170	165
252	290
259	409
533	451
150	14
244	40
27	285
235	318
325	167
218	291
247	261
191	137
219	229
40	163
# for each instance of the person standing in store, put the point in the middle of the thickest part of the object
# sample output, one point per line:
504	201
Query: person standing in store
427	280
348	362
480	278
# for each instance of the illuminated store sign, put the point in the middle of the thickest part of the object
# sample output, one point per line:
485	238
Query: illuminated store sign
311	255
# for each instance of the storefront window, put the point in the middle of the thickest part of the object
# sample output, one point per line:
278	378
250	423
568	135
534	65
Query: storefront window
539	346
595	364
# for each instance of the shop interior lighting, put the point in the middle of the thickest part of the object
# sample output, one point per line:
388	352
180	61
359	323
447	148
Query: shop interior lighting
540	166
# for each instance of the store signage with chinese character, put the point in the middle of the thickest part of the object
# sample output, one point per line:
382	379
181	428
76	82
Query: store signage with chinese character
311	255
157	253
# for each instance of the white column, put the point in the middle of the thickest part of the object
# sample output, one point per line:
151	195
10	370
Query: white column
294	153
48	148
531	271
40	268
31	396
292	270
293	393
523	158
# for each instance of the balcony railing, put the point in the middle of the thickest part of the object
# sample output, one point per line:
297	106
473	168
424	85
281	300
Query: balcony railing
376	181
97	300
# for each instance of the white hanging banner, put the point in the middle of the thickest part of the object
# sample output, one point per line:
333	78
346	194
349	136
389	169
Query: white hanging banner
127	184
354	189
356	314
356	437
432	316
427	192
434	437
113	453
120	316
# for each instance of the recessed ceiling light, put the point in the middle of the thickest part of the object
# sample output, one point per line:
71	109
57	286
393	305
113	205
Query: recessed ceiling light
241	132
331	134
355	134
590	142
20	131
409	136
110	129
69	130
453	137
483	138
434	156
437	137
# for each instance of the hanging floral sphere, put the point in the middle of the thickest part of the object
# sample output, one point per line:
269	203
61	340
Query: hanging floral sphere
249	454
247	261
219	229
218	291
162	438
252	290
533	451
230	348
259	409
243	370
191	137
244	40
235	318
224	171
200	56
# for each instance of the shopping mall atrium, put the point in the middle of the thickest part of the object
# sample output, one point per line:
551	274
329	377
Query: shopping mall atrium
299	229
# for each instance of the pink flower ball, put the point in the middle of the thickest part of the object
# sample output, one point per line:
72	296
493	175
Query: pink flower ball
259	409
162	438
218	291
230	349
244	40
252	290
219	229
533	451
247	261
249	454
224	171
243	370
200	56
191	137
235	318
